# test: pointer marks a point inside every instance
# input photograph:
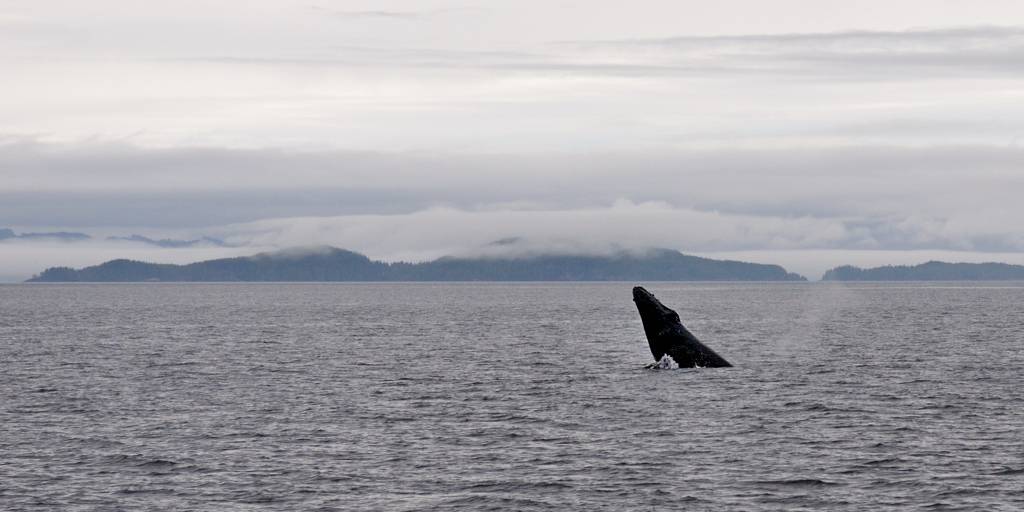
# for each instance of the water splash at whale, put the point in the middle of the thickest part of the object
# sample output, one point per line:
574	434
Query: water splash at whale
665	363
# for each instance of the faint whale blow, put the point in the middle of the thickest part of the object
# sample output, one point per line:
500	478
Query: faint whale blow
667	336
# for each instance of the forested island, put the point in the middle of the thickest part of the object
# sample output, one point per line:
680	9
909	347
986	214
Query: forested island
333	264
930	271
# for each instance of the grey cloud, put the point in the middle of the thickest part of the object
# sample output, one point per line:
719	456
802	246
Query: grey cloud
196	209
390	14
33	166
260	39
956	37
376	14
854	54
962	128
859	55
367	56
438	231
32	35
869	197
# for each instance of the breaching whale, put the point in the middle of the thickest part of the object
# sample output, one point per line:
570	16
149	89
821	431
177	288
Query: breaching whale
667	336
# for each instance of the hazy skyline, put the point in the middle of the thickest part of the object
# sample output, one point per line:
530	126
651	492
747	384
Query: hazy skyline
808	134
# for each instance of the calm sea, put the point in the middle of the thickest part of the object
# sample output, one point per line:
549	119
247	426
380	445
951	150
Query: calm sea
509	397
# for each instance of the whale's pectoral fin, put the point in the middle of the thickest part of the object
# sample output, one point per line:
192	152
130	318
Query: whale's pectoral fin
666	335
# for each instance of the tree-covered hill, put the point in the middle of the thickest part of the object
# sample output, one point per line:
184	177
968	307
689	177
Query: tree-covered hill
332	264
930	271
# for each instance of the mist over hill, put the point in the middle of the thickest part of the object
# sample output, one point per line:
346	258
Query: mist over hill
930	271
74	236
65	236
333	264
170	243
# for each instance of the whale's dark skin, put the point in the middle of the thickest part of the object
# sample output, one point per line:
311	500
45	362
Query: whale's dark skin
666	335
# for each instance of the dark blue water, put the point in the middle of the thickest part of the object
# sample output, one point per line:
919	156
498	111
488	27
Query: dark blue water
509	397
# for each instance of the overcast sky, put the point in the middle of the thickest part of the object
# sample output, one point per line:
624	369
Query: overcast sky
805	133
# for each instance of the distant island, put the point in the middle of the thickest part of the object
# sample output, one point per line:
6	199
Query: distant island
930	271
333	264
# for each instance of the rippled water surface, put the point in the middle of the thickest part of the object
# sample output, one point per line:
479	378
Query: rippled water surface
509	397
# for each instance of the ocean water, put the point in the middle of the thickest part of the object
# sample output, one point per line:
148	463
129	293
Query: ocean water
509	397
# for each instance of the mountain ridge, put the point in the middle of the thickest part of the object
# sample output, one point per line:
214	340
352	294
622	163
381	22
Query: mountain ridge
334	264
929	271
